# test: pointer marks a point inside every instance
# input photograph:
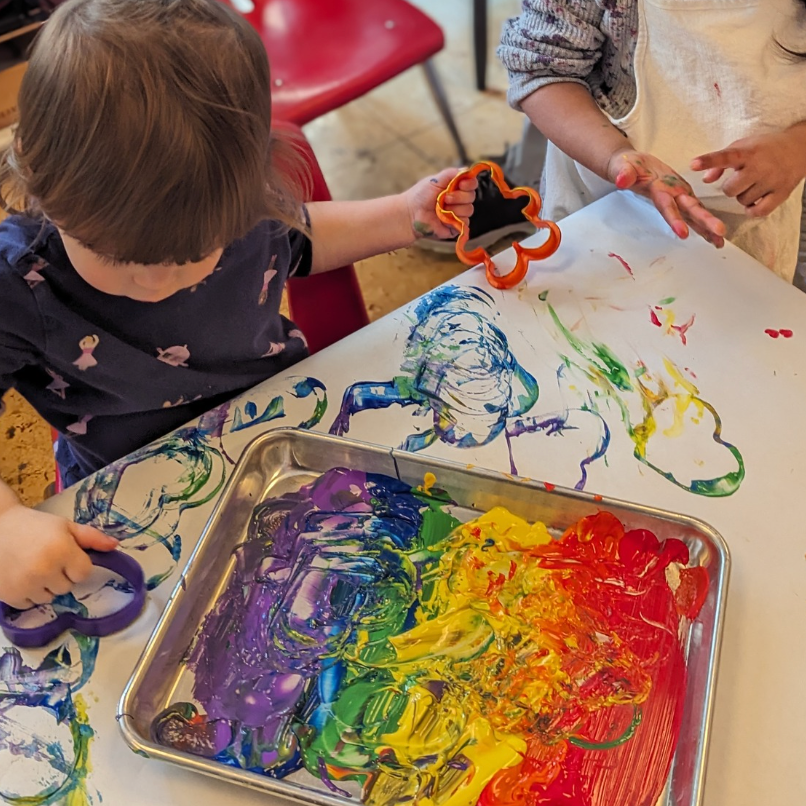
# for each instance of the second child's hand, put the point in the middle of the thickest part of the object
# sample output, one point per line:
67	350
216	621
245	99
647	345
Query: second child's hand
765	168
668	191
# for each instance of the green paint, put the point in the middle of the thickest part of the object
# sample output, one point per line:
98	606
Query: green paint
603	368
599	355
625	737
667	301
543	295
423	230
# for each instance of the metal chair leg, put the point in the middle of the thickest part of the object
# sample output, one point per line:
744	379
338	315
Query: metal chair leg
438	91
480	42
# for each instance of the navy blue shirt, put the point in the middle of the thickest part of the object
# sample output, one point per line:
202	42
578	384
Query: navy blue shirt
111	373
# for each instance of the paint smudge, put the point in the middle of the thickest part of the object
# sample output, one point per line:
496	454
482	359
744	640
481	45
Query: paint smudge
668	324
718	90
774	334
650	394
458	367
59	762
373	640
623	262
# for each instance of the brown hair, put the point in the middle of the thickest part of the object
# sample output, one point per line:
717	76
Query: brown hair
144	131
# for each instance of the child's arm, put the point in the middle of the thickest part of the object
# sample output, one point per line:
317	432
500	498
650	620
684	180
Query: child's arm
41	555
766	168
346	231
568	115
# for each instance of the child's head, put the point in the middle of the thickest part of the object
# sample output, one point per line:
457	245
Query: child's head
144	130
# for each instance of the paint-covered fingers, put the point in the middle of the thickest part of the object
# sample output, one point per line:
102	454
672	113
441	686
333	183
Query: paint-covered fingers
667	207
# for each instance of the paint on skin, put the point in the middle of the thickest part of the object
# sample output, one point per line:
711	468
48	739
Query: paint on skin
458	367
371	639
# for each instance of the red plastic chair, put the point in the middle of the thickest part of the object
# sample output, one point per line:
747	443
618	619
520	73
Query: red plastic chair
326	307
325	53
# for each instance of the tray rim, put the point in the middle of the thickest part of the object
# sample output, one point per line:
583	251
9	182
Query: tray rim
292	790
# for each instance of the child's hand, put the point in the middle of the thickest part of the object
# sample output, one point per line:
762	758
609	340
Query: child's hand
422	202
42	555
668	191
766	169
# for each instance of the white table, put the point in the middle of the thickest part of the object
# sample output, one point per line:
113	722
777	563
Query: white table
755	382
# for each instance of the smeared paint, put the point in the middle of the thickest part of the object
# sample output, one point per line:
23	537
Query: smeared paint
604	369
668	324
623	262
370	638
458	367
197	470
60	767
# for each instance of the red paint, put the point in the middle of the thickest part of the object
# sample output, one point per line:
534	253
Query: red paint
774	334
549	486
718	91
618	579
786	333
690	595
597	498
681	329
623	262
653	317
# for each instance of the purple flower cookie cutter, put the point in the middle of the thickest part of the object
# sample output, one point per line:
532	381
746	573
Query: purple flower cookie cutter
116	561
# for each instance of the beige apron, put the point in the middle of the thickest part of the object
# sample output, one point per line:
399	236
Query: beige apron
707	73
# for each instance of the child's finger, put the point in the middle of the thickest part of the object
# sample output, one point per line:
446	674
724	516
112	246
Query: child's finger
78	566
459	197
737	184
667	207
764	206
692	207
60	585
462	210
726	158
469	184
627	176
753	194
88	537
712	174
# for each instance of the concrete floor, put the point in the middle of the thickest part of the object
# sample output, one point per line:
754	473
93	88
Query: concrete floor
379	144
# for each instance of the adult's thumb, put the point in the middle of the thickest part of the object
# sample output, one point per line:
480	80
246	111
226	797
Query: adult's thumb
88	537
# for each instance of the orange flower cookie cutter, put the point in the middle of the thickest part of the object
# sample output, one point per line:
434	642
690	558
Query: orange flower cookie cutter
480	255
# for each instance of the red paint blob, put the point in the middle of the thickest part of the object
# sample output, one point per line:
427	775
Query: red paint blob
690	596
773	334
549	486
787	334
653	317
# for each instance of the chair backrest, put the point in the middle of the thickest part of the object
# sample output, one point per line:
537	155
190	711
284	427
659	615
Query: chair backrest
326	307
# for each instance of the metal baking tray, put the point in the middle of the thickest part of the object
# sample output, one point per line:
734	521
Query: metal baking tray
284	460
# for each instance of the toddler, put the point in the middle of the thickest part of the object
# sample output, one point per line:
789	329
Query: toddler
158	221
